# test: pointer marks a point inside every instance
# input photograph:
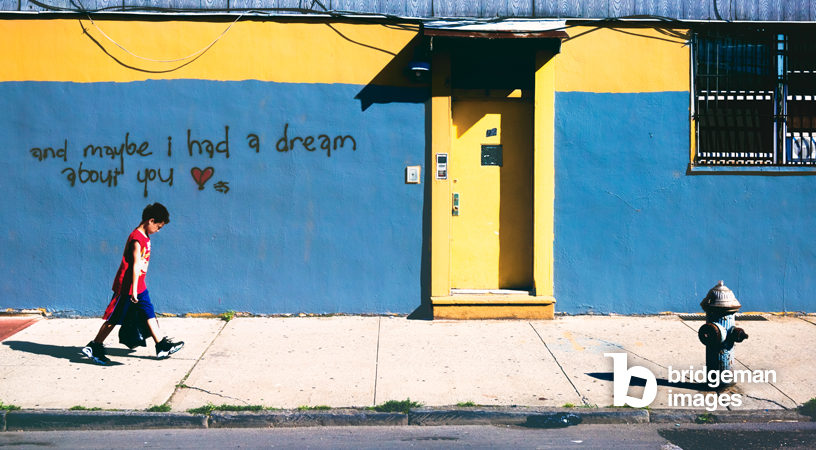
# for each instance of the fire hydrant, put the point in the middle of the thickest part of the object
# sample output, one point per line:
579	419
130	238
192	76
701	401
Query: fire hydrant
720	332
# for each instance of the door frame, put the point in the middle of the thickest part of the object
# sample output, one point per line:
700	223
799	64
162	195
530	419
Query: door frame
543	173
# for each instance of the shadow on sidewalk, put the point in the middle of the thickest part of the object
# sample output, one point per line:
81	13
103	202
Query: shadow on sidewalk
635	381
72	354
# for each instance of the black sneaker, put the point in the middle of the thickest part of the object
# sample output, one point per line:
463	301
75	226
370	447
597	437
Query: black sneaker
167	347
96	352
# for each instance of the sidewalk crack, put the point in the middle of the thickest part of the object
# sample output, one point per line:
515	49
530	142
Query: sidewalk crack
583	399
211	393
377	360
807	321
768	400
187	375
774	386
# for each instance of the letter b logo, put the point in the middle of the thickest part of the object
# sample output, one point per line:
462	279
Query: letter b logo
622	376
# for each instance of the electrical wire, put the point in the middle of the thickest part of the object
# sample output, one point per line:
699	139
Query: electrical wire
159	60
356	15
165	60
333	13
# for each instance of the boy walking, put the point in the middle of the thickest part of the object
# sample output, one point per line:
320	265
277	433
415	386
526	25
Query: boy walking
129	290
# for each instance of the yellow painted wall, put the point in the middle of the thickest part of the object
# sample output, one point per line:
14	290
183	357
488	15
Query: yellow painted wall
623	60
293	52
544	179
441	201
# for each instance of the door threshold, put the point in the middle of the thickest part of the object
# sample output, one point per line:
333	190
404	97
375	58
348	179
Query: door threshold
489	292
519	305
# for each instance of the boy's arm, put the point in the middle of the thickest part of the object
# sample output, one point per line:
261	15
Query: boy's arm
137	270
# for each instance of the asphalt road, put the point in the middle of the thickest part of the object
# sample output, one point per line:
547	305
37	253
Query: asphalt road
743	436
650	436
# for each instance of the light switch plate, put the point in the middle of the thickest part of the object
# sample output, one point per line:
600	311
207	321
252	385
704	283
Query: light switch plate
412	174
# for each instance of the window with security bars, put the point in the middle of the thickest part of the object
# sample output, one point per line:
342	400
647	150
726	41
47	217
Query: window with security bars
755	98
799	58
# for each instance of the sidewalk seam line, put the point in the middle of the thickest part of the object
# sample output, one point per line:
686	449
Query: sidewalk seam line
196	363
583	399
377	360
806	321
774	386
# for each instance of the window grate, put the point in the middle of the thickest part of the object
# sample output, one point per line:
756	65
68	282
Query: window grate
800	100
755	98
735	92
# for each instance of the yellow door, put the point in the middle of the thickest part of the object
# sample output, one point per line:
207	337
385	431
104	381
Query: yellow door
492	235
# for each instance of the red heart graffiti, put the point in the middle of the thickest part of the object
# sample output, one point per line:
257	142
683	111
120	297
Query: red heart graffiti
201	176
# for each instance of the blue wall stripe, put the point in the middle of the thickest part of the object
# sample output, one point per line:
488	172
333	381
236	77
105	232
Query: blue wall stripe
634	233
300	231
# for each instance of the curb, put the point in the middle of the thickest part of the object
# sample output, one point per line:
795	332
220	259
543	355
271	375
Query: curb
748	416
519	416
350	418
60	420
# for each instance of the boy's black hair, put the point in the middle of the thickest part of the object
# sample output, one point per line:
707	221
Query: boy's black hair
157	212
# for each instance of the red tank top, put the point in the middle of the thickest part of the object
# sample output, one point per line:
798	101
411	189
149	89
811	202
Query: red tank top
124	276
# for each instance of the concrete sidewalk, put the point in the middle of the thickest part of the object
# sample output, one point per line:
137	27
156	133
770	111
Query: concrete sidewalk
354	361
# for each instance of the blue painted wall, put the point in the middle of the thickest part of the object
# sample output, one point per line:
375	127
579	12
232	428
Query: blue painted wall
297	230
634	233
300	231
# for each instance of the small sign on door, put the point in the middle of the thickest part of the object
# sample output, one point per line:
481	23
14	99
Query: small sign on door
492	155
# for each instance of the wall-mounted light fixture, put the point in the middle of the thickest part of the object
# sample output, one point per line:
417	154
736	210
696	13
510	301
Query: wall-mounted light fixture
418	71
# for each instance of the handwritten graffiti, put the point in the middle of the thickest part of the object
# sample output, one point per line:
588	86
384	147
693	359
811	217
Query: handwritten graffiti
42	154
92	176
126	148
222	186
254	142
87	172
208	147
201	176
152	174
284	144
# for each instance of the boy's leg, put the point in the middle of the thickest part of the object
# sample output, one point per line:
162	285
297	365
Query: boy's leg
164	346
95	350
104	332
112	316
153	324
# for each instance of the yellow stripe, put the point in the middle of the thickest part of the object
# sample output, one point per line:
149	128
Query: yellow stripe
59	50
441	200
544	182
623	60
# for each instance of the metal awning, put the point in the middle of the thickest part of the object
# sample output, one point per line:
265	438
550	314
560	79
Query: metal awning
504	29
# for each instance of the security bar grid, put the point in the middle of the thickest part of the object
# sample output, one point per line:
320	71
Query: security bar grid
755	94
